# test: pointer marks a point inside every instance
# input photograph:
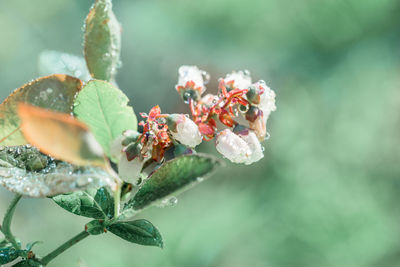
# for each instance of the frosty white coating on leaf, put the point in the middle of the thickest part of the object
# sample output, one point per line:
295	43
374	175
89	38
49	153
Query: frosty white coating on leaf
24	170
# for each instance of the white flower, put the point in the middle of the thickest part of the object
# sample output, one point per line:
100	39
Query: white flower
252	141
184	130
267	101
191	73
242	79
232	146
129	171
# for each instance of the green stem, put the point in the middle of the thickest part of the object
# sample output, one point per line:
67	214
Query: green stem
117	190
117	201
82	235
6	226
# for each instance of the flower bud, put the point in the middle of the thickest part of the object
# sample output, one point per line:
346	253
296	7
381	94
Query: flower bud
129	171
184	130
122	141
133	150
241	79
259	127
191	82
253	113
232	146
267	101
251	140
253	95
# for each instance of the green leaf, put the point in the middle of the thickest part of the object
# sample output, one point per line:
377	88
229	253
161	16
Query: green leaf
95	227
104	109
24	170
52	62
8	254
90	203
102	44
55	92
173	177
140	232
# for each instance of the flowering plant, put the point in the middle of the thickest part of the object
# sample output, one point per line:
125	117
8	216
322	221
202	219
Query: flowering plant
108	167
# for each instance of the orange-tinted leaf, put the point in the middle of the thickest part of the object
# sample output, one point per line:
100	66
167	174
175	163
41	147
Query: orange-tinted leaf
55	92
60	135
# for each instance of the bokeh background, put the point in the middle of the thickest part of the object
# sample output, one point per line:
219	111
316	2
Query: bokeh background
327	191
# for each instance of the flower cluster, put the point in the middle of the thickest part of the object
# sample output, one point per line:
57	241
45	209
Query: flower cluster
235	118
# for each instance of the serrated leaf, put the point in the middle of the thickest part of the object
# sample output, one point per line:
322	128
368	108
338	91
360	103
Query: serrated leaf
173	177
60	135
51	62
55	92
97	204
102	42
104	109
141	232
24	170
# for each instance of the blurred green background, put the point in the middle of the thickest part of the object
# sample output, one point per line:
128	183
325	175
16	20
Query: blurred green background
327	191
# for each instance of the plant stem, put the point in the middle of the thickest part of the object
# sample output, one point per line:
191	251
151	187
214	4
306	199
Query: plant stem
49	257
117	200
6	226
117	190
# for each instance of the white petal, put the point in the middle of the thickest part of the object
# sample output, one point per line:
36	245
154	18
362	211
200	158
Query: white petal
232	146
242	80
129	171
254	145
191	73
267	101
187	132
116	147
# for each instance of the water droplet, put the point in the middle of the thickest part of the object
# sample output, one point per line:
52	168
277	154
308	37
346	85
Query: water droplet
169	202
43	95
49	90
